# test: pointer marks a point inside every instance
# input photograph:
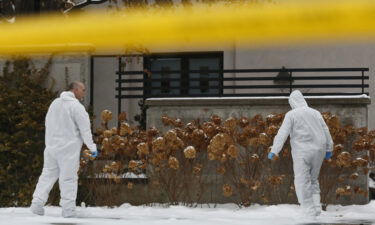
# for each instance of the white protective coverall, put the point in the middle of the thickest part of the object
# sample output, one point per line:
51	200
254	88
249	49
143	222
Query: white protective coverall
67	127
310	140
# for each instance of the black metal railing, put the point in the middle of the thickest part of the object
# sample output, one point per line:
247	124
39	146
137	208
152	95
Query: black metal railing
239	83
248	79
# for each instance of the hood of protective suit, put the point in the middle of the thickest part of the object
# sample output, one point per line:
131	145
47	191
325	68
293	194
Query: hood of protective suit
68	96
297	100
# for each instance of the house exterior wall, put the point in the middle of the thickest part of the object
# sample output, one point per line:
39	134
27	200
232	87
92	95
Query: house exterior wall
313	56
236	56
77	67
65	68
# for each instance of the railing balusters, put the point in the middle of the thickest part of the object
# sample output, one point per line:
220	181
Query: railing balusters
363	82
343	88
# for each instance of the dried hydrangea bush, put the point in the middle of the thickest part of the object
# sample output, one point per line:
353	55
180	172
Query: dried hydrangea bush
231	151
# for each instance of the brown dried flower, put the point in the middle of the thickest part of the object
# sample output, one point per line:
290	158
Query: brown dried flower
344	191
361	144
244	181
250	131
190	126
173	163
166	120
152	132
362	131
272	130
106	169
106	145
344	159
337	149
177	123
273	119
170	136
174	145
354	176
223	158
114	130
190	152
276	180
122	117
142	149
360	162
371	134
125	129
333	122
107	133
349	130
211	156
255	157
230	124
360	191
217	143
133	164
216	119
256	185
254	142
257	119
198	136
197	168
264	139
227	190
115	166
209	129
158	144
233	151
106	115
243	122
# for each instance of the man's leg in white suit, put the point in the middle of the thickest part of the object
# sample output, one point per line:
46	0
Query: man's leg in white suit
47	179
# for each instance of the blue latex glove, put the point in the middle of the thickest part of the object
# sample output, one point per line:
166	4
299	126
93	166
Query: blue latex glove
328	155
271	155
95	154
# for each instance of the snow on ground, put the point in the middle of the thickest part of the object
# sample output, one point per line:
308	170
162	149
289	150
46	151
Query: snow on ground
228	214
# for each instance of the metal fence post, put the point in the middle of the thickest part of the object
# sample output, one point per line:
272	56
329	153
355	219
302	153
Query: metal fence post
363	82
119	85
290	82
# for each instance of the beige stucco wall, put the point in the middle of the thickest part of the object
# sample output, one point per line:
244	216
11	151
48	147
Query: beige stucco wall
65	68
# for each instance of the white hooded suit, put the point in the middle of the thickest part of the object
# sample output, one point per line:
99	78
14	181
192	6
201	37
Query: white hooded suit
310	140
67	128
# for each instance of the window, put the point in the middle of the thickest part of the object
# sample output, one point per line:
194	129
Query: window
185	74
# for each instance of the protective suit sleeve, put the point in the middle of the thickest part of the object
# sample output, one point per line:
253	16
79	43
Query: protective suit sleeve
329	142
282	134
81	118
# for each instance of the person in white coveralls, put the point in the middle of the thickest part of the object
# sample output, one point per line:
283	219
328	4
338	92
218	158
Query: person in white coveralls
311	142
67	128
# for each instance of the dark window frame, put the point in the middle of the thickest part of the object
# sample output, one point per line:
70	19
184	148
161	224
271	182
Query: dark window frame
184	59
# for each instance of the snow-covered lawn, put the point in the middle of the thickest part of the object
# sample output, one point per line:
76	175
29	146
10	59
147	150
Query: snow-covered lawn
228	214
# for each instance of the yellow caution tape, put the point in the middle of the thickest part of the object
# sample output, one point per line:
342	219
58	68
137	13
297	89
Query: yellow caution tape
198	26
